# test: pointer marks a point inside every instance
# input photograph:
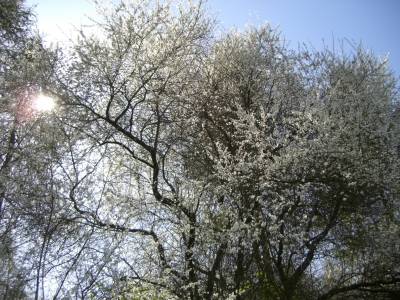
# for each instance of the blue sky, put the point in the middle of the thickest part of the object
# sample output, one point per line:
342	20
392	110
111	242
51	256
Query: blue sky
374	22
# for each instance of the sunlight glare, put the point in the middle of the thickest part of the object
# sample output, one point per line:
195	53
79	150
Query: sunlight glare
44	103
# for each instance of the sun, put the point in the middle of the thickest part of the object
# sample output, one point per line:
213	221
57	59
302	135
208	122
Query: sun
44	103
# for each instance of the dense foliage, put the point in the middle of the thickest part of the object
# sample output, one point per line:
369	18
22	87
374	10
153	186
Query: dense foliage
184	164
25	65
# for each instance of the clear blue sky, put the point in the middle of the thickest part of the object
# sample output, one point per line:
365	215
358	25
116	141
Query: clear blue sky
375	22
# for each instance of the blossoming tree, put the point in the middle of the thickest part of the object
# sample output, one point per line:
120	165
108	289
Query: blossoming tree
197	165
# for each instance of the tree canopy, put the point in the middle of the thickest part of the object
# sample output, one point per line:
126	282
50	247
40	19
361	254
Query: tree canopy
183	161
